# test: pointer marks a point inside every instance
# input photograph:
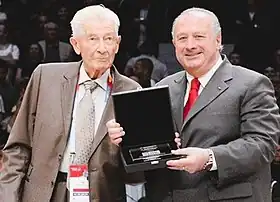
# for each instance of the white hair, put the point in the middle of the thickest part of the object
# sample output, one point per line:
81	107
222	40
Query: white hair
95	13
216	24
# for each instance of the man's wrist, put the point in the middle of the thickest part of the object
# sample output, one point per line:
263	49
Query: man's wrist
209	164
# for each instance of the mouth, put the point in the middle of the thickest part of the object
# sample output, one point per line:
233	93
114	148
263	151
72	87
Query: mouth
192	55
102	59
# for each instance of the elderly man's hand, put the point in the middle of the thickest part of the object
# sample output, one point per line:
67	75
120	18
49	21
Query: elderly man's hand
193	161
115	132
177	140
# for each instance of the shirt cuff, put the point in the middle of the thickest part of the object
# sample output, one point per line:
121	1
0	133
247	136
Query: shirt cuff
214	166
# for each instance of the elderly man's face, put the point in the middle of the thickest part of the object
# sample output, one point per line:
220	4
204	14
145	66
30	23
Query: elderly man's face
98	46
196	44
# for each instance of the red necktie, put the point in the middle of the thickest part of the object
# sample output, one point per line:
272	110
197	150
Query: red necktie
193	94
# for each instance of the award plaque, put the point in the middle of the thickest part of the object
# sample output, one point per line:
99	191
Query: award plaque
146	116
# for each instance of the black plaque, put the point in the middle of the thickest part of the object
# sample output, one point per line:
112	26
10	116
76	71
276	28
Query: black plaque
146	116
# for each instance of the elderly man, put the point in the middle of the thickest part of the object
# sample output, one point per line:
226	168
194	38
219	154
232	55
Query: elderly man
227	118
62	119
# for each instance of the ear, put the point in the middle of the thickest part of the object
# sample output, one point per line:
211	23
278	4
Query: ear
118	44
173	41
75	44
219	40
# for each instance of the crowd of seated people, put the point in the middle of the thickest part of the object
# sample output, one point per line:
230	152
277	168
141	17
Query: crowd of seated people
38	31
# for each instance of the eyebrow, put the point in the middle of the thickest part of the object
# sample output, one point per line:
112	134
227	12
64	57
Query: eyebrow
195	33
107	34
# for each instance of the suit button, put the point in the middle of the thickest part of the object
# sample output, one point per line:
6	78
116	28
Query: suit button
59	157
52	183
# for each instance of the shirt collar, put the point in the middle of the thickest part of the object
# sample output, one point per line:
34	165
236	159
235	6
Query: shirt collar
101	81
206	77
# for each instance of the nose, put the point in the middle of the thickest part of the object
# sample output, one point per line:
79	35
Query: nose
101	47
190	43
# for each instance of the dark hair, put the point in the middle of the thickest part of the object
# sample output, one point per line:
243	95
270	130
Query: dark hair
4	64
41	53
147	63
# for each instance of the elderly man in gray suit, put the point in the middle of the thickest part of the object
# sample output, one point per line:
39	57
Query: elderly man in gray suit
227	119
62	120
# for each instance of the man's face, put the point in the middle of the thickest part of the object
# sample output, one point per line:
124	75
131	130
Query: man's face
62	13
235	58
34	50
42	21
270	73
98	46
138	68
51	31
196	44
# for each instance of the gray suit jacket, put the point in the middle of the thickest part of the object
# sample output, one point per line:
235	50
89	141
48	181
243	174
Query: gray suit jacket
38	139
237	117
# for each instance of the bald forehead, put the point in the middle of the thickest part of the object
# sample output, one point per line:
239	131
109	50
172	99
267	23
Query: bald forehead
195	22
196	15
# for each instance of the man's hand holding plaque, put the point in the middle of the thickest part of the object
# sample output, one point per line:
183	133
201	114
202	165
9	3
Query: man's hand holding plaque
148	125
145	153
116	133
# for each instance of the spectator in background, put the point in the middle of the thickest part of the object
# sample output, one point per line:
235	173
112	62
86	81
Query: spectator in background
142	71
235	58
8	97
63	16
55	50
159	69
8	92
33	57
38	21
8	52
9	122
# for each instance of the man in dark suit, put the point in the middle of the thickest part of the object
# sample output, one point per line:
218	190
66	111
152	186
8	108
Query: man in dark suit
227	118
36	157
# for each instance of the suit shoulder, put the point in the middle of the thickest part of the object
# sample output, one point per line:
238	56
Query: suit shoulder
128	83
171	78
242	72
55	69
58	66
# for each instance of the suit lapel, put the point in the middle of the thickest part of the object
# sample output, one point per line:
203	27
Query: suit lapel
216	86
108	112
178	99
68	91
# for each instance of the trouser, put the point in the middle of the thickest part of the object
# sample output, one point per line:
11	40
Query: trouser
60	191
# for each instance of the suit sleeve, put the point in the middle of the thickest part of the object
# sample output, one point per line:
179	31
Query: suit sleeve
259	133
17	151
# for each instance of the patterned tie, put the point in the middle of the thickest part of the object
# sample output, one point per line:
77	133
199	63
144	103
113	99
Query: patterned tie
85	120
193	94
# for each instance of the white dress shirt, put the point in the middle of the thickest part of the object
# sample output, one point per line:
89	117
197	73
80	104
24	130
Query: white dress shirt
203	82
100	94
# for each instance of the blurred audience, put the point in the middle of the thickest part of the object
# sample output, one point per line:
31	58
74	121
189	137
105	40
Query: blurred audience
55	50
142	71
38	31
